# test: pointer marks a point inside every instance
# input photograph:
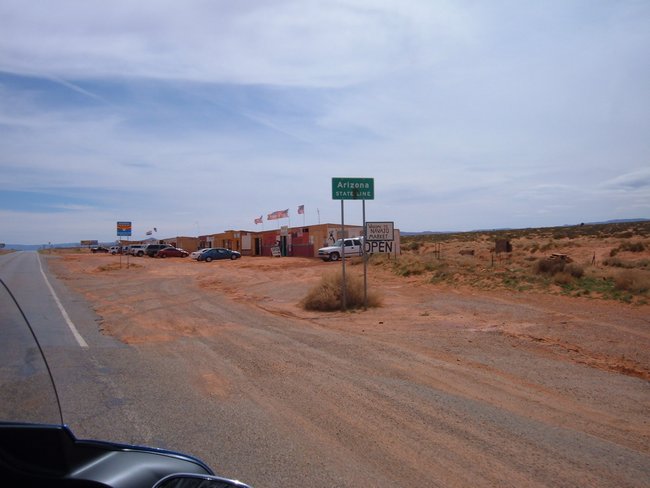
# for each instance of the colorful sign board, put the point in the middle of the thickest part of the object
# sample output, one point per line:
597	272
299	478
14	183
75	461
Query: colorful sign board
124	229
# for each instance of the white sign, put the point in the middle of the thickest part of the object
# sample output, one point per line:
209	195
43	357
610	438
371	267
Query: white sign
374	247
380	231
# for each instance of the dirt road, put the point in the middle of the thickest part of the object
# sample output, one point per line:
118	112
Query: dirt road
438	387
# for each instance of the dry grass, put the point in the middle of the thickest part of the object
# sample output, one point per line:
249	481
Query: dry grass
468	259
326	296
633	281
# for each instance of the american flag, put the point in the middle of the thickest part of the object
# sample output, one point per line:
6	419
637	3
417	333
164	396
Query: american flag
149	232
278	214
301	209
260	220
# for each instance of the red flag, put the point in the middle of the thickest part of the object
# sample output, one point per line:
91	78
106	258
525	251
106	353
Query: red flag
301	209
260	220
278	214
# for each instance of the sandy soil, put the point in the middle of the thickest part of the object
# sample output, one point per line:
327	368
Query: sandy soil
441	386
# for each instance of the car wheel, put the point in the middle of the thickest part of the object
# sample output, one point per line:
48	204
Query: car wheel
208	259
334	256
140	254
162	255
233	257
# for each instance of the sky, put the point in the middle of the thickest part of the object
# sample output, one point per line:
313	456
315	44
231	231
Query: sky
200	116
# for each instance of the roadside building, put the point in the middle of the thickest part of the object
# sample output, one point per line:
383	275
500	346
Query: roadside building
299	241
190	244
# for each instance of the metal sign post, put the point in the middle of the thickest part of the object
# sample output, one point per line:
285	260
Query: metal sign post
353	189
124	230
343	285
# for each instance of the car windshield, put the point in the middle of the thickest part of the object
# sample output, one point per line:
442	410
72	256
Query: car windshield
28	394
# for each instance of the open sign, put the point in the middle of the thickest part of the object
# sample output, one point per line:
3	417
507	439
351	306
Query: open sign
374	247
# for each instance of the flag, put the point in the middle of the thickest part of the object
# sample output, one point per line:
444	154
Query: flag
155	230
149	232
260	220
301	209
278	214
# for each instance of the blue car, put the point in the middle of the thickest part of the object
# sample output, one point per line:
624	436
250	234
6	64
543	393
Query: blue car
218	253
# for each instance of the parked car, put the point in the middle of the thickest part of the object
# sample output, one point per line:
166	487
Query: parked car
136	250
152	249
115	250
98	249
196	254
218	253
351	246
172	252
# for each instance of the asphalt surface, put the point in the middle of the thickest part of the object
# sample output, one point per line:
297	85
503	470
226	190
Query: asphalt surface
280	402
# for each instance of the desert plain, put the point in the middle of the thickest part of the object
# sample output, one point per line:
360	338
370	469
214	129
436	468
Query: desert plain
477	369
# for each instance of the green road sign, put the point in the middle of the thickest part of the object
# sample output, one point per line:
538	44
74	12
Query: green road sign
353	188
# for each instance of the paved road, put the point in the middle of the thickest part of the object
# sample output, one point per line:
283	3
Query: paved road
109	390
79	357
84	363
282	402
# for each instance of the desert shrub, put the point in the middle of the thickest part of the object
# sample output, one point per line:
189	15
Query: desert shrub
327	296
633	280
441	273
408	265
620	263
553	267
613	262
412	246
562	278
574	270
380	259
549	266
637	246
547	246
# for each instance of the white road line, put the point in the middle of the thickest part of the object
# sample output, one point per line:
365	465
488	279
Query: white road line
73	329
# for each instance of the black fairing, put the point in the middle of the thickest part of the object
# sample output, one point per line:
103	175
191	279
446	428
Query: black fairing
50	456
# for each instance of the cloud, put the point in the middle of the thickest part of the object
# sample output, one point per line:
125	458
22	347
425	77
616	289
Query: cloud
636	181
466	114
301	43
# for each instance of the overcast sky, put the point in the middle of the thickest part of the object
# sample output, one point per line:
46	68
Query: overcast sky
196	117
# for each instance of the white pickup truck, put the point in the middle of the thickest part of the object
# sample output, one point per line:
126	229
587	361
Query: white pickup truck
353	246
